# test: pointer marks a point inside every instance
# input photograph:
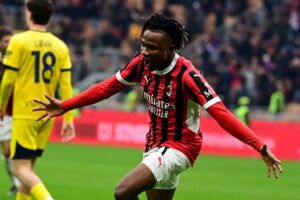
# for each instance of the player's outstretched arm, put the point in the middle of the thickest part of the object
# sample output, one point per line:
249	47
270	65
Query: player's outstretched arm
237	129
272	162
52	108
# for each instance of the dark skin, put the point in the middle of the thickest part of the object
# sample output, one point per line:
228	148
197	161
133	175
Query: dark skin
158	51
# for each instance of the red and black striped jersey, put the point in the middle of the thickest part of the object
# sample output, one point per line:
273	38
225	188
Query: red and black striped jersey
174	98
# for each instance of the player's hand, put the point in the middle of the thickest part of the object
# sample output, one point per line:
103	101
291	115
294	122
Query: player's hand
273	163
52	108
67	131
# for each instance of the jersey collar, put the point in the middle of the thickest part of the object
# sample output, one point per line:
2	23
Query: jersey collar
169	68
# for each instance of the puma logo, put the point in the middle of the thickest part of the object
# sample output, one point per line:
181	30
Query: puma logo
159	161
147	80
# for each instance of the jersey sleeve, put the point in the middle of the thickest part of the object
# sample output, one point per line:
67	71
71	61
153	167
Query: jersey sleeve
199	90
131	73
65	82
12	55
234	126
66	60
96	93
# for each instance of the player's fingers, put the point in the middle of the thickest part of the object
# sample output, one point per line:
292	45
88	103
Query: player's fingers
40	102
274	158
39	109
67	136
51	99
278	166
42	117
47	119
269	171
274	168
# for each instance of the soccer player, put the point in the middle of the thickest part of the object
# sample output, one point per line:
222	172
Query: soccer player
174	91
5	132
35	62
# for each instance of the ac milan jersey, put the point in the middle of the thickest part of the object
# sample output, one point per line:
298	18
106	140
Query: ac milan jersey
174	97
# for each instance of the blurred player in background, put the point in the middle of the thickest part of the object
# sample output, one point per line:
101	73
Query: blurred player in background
5	131
173	89
35	62
242	110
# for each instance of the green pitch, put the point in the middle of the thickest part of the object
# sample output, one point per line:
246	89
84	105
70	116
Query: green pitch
74	172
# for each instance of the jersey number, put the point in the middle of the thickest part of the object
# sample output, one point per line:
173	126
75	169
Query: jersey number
48	61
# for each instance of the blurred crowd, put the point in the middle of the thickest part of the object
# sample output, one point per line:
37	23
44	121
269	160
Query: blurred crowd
244	48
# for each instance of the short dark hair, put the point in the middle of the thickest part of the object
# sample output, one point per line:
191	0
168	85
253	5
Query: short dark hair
160	22
4	32
41	10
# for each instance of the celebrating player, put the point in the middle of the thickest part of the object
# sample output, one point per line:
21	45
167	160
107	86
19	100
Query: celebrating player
35	62
174	91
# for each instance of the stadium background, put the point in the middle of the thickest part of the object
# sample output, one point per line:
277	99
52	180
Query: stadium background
249	47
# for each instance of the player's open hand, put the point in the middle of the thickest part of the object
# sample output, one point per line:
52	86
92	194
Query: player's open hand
67	131
273	163
52	108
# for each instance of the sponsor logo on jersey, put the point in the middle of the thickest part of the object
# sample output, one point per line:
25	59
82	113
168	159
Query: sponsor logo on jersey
158	107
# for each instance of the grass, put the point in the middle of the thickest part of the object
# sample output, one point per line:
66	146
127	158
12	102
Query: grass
75	172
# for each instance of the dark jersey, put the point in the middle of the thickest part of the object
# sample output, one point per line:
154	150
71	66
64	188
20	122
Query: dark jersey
174	97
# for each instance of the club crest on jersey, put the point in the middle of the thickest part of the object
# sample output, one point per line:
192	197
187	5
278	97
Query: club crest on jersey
169	90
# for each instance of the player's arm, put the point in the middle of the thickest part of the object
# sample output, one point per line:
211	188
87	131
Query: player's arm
66	90
67	130
236	128
103	90
201	92
233	125
90	96
96	93
7	84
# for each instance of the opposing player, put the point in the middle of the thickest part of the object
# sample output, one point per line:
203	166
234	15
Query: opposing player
174	91
35	62
5	132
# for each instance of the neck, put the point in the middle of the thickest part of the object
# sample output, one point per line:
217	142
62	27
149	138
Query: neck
169	62
37	27
171	58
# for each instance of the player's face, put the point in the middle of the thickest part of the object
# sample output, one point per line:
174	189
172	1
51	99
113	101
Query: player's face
4	42
157	49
